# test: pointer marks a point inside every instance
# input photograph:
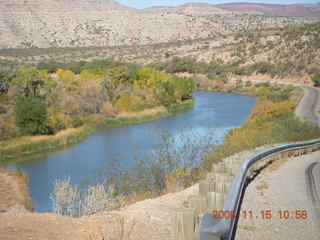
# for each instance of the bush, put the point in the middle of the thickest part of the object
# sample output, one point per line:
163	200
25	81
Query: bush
124	103
70	201
109	110
270	123
76	122
58	126
316	79
31	116
65	198
165	93
183	87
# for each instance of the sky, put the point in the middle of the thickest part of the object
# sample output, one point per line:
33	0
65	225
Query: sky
149	3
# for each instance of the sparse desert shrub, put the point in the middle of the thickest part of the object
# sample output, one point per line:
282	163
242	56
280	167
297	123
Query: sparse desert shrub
65	198
70	201
97	199
178	180
173	163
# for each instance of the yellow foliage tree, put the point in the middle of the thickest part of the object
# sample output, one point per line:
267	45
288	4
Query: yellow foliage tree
124	103
147	77
67	78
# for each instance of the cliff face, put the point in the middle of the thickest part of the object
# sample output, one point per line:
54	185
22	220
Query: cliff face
76	23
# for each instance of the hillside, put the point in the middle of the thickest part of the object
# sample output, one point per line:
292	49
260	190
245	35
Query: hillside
294	10
294	52
68	23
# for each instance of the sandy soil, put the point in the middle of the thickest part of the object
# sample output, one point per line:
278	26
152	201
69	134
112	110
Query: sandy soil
149	219
280	187
14	194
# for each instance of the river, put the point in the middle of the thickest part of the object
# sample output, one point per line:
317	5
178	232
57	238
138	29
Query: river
79	161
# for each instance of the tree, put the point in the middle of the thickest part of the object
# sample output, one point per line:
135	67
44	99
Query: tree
183	87
67	78
165	93
5	78
30	81
148	77
145	77
31	116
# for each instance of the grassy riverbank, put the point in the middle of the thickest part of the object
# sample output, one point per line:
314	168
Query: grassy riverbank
270	123
32	144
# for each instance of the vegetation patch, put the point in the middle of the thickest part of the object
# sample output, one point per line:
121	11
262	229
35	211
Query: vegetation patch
51	97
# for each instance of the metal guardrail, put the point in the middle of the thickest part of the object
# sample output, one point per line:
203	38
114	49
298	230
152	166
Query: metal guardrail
216	229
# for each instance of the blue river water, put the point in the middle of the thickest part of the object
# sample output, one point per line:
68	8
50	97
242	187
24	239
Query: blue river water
220	111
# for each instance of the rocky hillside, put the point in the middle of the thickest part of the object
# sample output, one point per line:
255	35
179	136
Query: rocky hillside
71	23
294	10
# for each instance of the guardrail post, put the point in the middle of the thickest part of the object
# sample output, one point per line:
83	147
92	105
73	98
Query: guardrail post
219	177
206	186
182	224
219	168
215	201
198	203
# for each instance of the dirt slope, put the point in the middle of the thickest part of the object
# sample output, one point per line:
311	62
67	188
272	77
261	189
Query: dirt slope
147	219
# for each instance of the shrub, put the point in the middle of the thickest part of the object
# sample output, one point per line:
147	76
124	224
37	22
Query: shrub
70	201
58	126
5	78
31	116
109	110
183	87
165	93
316	79
97	199
76	121
65	198
124	103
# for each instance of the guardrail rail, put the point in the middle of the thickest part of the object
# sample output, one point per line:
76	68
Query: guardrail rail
222	190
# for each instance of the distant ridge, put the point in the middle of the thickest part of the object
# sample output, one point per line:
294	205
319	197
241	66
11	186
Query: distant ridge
79	23
275	10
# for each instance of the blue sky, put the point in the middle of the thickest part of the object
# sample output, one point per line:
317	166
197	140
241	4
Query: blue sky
150	3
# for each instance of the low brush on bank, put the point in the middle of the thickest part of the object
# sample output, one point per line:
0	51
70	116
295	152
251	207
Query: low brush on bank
270	123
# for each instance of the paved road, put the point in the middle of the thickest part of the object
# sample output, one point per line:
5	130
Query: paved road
301	176
309	105
309	109
313	187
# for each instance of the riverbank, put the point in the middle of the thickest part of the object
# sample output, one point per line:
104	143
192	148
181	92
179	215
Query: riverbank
14	190
26	145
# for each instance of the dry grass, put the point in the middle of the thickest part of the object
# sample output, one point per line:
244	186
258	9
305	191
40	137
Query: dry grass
145	112
28	139
137	198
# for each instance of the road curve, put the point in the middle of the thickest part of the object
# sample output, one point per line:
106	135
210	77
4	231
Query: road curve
308	107
300	180
312	177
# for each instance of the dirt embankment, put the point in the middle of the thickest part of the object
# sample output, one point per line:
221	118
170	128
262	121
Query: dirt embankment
14	193
148	219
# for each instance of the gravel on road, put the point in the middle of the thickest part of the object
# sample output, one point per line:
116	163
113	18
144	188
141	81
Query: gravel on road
280	187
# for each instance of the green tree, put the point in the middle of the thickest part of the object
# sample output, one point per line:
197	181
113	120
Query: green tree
165	93
30	80
183	87
5	78
31	116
